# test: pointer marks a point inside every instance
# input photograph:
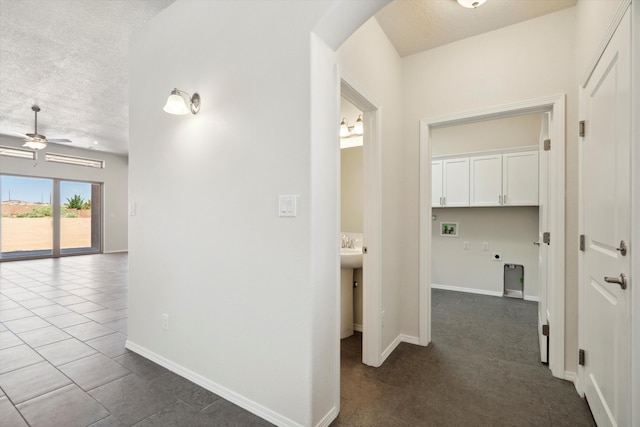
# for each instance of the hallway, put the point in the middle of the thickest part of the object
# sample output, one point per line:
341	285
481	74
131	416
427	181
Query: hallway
482	369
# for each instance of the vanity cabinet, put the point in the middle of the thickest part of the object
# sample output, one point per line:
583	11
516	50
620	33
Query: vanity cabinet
450	182
497	179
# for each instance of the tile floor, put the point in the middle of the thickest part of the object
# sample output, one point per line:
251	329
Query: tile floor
63	363
63	325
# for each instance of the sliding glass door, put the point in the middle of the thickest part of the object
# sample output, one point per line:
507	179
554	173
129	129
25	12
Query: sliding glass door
27	223
49	217
79	217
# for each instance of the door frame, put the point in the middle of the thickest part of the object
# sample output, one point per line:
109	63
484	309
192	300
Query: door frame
556	105
635	199
372	221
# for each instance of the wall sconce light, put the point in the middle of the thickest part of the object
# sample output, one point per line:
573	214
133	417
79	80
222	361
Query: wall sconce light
177	104
347	131
471	4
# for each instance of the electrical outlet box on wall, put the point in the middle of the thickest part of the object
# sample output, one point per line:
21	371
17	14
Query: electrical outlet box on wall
496	256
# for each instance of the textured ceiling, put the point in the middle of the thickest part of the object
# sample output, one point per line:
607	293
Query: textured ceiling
70	57
417	25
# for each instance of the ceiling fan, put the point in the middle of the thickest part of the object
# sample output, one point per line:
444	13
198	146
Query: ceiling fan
36	141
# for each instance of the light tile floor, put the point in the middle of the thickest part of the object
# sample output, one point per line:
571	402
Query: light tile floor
63	326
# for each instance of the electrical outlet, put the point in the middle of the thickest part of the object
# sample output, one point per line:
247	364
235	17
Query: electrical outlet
496	256
165	321
466	245
485	246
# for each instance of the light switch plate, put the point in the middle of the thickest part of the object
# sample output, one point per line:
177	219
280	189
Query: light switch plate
288	205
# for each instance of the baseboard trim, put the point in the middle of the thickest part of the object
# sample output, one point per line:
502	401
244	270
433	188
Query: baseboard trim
329	418
467	290
396	342
357	327
117	251
478	291
231	396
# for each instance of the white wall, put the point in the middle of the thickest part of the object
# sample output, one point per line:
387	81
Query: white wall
113	177
368	58
351	189
519	131
528	60
509	230
252	297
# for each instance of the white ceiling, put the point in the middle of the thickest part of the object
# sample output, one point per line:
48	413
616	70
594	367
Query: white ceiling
71	56
417	25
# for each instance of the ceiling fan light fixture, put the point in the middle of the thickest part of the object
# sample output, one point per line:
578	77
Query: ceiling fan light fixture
177	104
470	4
34	144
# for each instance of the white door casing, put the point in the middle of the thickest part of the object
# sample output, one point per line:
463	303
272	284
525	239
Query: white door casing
543	248
605	182
556	106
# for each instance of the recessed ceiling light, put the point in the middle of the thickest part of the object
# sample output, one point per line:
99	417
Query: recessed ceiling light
471	4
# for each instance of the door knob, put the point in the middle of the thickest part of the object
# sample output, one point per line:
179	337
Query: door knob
620	280
623	248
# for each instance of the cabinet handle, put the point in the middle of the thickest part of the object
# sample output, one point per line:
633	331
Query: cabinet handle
504	199
500	200
444	201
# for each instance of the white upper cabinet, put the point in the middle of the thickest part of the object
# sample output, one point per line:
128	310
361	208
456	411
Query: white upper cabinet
436	183
520	179
497	179
455	182
485	180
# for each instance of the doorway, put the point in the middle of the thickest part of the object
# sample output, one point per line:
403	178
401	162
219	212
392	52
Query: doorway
371	220
46	217
555	105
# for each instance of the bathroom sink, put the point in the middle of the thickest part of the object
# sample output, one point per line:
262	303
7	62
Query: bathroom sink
350	257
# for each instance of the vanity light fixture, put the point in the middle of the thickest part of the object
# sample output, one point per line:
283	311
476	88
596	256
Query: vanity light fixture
471	4
177	103
344	128
355	130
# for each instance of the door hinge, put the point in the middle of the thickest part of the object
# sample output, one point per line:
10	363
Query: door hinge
582	242
581	357
545	330
581	128
546	237
547	144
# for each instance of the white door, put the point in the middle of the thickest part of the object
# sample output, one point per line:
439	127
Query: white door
486	180
605	182
543	249
520	178
456	182
436	183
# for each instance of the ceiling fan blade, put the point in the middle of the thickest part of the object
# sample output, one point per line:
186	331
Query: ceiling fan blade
60	141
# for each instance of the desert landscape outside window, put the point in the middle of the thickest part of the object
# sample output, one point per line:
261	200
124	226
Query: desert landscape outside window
48	217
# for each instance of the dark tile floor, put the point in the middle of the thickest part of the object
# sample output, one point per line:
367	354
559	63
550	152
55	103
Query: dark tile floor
481	369
63	325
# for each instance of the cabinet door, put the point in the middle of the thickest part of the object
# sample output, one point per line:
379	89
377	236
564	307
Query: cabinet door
455	182
486	180
436	183
520	178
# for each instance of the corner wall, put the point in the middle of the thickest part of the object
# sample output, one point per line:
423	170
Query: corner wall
114	177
